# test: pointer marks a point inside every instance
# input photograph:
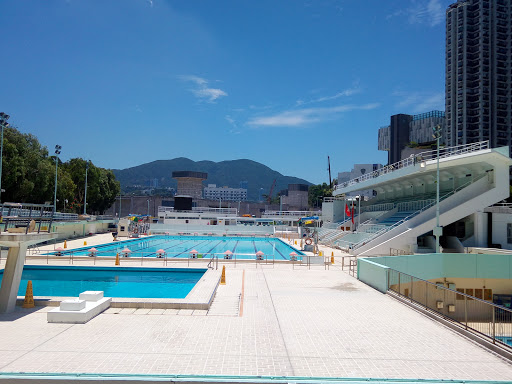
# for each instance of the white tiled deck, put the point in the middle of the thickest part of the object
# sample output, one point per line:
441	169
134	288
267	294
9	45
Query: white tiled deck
293	323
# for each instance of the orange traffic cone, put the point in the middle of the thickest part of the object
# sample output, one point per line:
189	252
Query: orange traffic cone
29	296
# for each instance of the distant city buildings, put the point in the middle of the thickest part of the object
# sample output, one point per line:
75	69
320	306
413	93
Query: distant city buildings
212	192
478	77
409	131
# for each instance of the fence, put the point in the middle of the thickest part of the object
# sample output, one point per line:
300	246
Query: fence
479	315
421	157
142	258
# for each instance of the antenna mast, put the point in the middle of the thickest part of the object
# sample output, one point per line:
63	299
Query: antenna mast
329	169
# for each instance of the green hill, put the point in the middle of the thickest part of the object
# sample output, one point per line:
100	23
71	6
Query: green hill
225	173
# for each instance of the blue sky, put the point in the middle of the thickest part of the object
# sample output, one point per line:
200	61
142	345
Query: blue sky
282	82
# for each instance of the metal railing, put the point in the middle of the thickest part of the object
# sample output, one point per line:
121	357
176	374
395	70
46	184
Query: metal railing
220	211
268	214
417	159
378	207
473	313
414	205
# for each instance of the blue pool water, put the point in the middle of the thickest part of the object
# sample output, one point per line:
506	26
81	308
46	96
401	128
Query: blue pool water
505	339
115	282
180	247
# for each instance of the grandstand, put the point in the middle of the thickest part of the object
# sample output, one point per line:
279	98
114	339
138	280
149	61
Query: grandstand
402	214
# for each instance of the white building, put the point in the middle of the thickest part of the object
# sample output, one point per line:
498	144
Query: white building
212	192
359	170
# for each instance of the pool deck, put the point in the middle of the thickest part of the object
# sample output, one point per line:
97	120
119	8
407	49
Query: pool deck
268	320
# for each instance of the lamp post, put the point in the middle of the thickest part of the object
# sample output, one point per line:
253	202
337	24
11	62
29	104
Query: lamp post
3	124
358	211
57	153
438	230
148	207
85	195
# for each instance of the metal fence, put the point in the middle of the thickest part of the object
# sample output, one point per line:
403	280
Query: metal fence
477	314
417	159
143	258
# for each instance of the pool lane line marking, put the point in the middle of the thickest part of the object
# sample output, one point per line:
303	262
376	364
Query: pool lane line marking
180	242
241	312
277	250
236	245
186	250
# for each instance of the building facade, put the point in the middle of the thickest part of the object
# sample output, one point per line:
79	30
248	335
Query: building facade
212	192
478	77
190	183
406	130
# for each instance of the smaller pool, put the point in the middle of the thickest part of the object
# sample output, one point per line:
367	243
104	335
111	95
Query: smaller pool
173	283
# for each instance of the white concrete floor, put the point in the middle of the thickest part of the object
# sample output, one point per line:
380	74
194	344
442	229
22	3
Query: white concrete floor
267	320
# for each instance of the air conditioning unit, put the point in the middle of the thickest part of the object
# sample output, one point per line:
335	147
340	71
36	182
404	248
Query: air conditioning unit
439	305
451	308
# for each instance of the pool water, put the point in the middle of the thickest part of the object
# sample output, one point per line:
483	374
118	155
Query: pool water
206	246
505	339
115	282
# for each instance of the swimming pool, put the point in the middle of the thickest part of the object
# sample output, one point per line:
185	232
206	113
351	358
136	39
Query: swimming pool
68	281
206	246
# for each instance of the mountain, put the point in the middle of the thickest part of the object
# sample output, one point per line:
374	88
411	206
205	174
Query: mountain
224	173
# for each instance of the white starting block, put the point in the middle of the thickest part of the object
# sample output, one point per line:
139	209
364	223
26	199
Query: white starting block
80	310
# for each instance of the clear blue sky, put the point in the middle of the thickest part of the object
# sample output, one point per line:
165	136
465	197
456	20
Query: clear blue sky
285	83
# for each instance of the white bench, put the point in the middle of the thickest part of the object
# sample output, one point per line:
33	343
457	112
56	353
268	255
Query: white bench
80	310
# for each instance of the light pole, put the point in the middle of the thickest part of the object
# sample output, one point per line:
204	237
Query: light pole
148	207
85	195
3	124
438	230
57	153
358	211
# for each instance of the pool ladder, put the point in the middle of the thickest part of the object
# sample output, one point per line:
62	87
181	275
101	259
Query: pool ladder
214	260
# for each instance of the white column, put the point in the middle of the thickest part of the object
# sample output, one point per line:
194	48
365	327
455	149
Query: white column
480	229
12	277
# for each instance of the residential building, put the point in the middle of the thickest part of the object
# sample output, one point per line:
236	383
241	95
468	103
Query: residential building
409	130
212	192
478	78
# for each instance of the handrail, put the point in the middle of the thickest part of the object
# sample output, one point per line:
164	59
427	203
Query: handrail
477	315
415	159
402	221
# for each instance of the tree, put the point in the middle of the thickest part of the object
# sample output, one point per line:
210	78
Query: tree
317	192
27	170
29	176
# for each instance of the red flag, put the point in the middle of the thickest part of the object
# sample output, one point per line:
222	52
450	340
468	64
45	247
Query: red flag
347	211
352	211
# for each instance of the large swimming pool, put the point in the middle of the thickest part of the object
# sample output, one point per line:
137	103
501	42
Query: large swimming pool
68	281
206	246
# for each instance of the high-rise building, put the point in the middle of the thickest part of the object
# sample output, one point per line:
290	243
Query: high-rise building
478	77
408	130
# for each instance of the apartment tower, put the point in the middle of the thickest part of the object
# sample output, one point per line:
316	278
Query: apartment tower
478	72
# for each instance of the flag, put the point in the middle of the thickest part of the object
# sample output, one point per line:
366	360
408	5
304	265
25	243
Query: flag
347	211
352	211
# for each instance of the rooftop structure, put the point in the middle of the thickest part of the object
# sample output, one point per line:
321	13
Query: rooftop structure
190	183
